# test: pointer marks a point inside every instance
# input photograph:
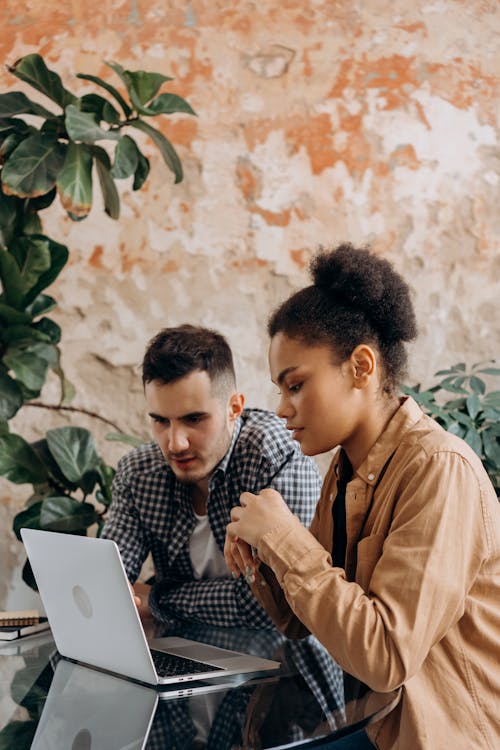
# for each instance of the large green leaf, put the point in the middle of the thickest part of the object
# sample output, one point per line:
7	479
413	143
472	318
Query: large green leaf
28	365
492	399
9	208
11	315
82	126
473	438
23	271
141	172
11	397
75	181
58	258
141	85
23	335
126	158
19	462
110	89
49	328
167	104
41	201
9	144
27	519
32	257
43	303
74	451
473	405
12	281
108	187
32	70
477	384
66	514
10	125
32	223
100	107
17	103
56	513
57	483
491	446
104	495
32	168
167	151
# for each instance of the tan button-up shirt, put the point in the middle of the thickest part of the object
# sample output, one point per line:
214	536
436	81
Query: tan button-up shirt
419	602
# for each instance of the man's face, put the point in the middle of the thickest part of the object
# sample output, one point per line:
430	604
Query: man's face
192	423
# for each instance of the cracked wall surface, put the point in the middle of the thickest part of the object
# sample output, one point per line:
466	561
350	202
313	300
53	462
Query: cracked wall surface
370	121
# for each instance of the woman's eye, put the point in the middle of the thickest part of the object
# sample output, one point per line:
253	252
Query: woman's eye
295	388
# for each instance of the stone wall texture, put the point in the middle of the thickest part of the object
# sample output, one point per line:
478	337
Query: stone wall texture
370	121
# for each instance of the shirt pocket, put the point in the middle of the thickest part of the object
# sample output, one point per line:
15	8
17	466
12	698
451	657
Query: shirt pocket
369	552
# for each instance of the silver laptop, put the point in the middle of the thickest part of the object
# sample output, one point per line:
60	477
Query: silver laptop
94	620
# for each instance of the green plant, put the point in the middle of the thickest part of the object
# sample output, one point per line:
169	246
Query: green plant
473	413
49	151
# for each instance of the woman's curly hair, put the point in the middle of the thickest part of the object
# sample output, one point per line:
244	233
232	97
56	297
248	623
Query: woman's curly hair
356	298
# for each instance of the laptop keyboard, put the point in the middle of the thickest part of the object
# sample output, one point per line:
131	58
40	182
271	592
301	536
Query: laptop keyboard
170	665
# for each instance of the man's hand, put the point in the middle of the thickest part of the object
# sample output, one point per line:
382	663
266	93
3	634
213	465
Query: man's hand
254	517
140	592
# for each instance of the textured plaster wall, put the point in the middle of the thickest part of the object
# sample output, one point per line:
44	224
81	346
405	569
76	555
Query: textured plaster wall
365	120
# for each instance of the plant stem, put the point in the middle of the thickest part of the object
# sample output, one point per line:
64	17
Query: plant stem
57	407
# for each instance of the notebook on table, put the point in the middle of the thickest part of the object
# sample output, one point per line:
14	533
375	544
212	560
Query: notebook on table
19	624
94	620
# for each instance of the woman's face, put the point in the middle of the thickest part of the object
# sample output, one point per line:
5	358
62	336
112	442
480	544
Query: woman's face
318	399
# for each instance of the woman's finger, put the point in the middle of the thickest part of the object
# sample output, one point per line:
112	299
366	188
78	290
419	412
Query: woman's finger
229	557
236	554
245	553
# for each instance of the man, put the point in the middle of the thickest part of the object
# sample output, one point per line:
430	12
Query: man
172	497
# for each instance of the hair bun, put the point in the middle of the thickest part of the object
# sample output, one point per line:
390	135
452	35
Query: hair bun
358	279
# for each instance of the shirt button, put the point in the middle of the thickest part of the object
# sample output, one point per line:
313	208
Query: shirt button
371	476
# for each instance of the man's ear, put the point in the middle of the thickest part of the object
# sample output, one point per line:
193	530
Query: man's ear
235	405
363	361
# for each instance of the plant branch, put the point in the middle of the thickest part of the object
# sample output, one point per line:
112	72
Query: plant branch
57	407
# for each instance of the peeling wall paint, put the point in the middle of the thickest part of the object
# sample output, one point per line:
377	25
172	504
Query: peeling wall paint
375	122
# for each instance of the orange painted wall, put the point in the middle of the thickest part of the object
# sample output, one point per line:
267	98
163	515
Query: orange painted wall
370	121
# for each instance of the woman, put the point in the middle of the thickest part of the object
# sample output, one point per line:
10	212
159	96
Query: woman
399	574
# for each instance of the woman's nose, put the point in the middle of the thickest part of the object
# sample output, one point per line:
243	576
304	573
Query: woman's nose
284	409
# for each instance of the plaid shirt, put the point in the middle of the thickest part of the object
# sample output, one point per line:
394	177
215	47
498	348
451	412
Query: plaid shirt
152	512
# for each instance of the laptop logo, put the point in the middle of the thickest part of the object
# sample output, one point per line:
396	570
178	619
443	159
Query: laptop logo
83	740
82	601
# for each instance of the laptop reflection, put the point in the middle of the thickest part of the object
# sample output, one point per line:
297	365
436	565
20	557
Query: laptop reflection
90	710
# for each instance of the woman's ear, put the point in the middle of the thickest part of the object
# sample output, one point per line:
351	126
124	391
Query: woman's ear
364	365
235	406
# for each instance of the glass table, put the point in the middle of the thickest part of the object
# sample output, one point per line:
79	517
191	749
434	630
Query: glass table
50	703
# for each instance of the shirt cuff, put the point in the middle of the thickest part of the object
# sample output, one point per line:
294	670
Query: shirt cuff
285	545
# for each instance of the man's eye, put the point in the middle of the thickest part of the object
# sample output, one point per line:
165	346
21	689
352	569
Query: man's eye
295	388
195	418
159	420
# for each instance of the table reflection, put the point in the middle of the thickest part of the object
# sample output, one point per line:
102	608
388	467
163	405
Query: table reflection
59	705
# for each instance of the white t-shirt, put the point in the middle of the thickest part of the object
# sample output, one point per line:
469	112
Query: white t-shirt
206	558
208	562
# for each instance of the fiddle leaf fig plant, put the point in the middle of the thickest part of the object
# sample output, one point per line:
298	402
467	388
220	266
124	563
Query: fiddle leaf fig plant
61	148
461	402
65	472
